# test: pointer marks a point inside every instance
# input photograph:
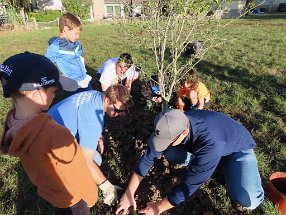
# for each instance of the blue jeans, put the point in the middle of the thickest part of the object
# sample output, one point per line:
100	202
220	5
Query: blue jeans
240	171
242	178
178	155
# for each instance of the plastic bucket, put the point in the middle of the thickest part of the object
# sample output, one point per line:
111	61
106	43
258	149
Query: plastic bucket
277	190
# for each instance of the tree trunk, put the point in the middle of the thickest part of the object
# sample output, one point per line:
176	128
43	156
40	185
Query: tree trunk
22	13
132	4
165	104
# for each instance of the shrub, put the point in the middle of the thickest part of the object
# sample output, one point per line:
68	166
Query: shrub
45	15
13	16
79	8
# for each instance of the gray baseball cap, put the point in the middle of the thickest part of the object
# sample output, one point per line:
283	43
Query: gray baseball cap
168	125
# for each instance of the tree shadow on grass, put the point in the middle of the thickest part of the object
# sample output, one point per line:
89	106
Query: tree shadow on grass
257	85
94	82
264	87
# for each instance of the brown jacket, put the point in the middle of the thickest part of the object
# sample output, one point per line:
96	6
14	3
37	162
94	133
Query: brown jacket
51	158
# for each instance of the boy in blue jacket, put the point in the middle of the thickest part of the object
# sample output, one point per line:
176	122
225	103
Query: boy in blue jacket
66	52
212	138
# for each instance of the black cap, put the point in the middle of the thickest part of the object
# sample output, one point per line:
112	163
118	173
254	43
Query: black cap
29	71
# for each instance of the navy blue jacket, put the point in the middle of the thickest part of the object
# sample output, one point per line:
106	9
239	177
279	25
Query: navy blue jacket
212	136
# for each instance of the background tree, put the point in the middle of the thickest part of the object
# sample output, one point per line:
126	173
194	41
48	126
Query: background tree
250	5
20	4
169	28
80	8
17	10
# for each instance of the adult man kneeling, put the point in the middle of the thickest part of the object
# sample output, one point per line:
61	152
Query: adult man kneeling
201	140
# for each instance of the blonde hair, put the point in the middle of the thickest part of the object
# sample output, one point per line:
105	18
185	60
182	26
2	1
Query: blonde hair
70	21
119	93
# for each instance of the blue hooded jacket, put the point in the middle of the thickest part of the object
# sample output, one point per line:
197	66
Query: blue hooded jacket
67	56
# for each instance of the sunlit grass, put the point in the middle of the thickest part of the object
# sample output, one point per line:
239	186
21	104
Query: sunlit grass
246	78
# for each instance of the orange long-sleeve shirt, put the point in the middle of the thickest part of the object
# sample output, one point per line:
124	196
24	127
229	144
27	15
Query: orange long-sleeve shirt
51	158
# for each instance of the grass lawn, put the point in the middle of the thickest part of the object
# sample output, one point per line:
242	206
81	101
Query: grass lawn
246	78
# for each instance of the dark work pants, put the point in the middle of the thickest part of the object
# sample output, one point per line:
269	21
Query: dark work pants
79	208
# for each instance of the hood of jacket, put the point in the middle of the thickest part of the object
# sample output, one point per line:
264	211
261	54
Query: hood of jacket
18	135
52	40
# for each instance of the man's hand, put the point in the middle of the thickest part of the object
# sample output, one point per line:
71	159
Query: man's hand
151	209
157	207
127	200
100	146
109	192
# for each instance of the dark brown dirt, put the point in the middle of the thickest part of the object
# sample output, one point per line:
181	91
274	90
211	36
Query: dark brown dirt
126	139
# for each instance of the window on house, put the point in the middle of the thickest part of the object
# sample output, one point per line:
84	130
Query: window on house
109	9
117	10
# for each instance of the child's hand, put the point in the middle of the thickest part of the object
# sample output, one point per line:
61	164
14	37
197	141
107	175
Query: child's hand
157	99
127	200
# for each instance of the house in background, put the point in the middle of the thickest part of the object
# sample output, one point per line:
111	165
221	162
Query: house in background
116	8
269	5
100	9
47	4
233	9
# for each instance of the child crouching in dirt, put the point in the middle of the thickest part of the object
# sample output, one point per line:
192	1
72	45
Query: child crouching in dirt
48	152
193	94
151	91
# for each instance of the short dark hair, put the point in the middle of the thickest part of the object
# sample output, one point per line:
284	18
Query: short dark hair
126	58
69	20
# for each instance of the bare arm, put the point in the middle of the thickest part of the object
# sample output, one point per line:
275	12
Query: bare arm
201	103
128	84
127	200
100	146
103	87
96	173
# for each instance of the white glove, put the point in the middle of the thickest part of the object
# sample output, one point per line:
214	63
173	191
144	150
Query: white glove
109	192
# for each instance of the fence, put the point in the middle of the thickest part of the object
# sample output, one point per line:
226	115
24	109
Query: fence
46	25
3	20
37	25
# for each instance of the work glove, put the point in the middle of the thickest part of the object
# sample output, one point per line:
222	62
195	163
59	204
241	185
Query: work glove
109	192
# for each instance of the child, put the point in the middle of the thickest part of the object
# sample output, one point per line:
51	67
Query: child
151	91
83	114
193	94
66	52
48	152
118	71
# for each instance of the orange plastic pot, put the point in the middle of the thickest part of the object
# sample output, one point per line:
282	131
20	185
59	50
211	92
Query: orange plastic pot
277	190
